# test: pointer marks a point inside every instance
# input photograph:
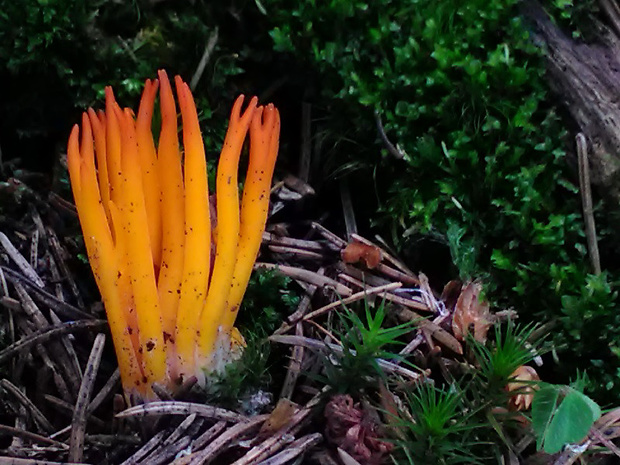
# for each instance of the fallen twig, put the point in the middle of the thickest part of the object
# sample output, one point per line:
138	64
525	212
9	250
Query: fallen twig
40	420
6	430
204	59
308	276
43	335
20	261
586	199
281	437
181	408
45	297
78	424
222	442
314	344
353	298
294	449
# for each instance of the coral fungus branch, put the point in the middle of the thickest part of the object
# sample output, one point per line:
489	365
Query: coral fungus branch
147	227
227	194
264	134
197	262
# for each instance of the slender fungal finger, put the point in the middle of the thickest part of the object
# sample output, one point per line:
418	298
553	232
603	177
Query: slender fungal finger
104	263
148	164
264	137
173	210
101	157
140	260
74	161
227	193
196	265
113	144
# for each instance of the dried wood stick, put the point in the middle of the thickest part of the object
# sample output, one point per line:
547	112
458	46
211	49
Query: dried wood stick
11	431
20	424
298	254
181	408
59	380
68	409
78	424
45	297
439	334
395	274
163	455
294	449
163	450
586	199
314	344
40	420
10	303
204	59
606	442
20	261
304	304
280	438
186	387
274	239
34	249
161	392
294	367
3	285
62	204
68	346
106	390
307	276
145	449
112	439
59	252
612	11
208	435
42	335
388	296
416	341
223	441
56	278
365	276
353	298
298	184
330	236
20	461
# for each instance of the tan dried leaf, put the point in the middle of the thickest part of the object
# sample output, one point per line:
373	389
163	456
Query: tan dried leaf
523	386
355	252
279	417
471	314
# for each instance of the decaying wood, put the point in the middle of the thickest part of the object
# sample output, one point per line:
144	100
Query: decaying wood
586	77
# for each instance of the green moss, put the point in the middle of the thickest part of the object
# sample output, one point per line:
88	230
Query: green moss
460	88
